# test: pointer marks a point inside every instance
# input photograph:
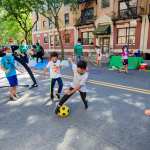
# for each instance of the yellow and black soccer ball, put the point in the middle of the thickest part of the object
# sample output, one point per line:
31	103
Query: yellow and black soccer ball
64	111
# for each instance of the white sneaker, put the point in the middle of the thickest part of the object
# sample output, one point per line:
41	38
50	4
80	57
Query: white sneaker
13	98
17	96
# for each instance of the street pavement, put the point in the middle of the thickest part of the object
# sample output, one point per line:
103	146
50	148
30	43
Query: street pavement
114	120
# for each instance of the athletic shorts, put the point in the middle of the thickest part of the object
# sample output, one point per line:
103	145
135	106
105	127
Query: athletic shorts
125	62
12	81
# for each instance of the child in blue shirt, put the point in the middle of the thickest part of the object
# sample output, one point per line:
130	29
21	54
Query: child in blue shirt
8	65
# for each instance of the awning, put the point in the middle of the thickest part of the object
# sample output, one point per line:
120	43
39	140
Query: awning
102	30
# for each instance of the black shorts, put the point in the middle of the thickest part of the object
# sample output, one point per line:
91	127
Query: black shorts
125	62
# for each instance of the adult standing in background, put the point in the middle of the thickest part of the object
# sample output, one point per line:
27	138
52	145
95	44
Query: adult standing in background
78	50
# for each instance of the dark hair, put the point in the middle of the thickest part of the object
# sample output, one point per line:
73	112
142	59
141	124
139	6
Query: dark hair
82	64
54	54
79	40
37	43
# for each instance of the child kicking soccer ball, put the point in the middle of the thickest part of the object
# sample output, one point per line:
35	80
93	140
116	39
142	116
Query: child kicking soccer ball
54	66
78	84
8	66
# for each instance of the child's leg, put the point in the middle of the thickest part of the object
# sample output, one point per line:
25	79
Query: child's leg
52	85
63	100
11	91
83	97
60	84
14	90
41	58
126	68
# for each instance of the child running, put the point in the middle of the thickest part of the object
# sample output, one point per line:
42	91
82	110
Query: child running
54	66
8	66
78	84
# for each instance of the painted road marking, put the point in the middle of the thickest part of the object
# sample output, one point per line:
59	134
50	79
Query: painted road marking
112	85
117	86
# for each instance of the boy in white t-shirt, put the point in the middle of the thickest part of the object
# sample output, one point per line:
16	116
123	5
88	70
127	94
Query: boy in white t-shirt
54	66
78	84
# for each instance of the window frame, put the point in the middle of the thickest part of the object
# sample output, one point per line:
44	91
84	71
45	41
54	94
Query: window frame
47	39
87	17
44	24
67	21
105	4
126	36
68	34
58	41
88	38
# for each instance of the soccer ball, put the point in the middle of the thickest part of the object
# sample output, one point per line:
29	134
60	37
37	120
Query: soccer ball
64	111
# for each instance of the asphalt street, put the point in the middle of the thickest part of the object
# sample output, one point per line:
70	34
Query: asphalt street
114	120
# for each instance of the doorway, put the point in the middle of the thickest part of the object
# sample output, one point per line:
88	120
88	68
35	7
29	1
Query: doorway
104	43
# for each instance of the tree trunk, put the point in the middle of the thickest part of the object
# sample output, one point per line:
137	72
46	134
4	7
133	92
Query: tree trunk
26	37
60	38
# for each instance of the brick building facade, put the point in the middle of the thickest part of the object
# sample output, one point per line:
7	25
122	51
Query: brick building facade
107	23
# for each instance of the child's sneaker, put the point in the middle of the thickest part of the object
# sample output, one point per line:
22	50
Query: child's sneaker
13	98
17	96
57	110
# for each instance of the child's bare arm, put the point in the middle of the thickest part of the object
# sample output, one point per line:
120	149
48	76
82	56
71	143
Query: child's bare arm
45	71
5	70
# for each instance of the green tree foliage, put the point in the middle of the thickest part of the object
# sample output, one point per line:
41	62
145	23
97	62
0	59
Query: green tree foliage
9	28
51	9
20	11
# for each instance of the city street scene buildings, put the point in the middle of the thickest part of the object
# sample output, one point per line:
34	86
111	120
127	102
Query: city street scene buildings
109	24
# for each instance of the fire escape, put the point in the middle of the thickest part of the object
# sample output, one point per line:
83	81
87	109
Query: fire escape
130	12
87	14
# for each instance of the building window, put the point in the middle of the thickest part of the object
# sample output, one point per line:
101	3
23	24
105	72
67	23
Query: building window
124	34
51	40
87	14
57	42
51	25
88	38
66	18
44	24
46	39
67	38
105	3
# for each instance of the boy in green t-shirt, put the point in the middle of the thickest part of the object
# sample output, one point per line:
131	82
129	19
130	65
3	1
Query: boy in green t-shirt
78	51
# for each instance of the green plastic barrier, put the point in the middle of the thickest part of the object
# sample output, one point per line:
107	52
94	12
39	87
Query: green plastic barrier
134	62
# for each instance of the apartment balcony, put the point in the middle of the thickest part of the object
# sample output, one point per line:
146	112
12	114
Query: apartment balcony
85	20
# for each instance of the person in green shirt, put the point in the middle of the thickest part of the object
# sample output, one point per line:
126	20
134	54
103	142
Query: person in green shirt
23	48
78	51
39	52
